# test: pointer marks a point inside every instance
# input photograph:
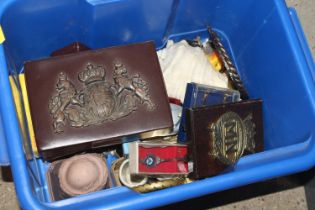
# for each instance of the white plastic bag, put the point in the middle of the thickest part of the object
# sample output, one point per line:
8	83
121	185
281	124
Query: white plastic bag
182	64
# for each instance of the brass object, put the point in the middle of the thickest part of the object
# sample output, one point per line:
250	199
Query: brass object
231	136
99	101
115	170
156	133
128	179
159	185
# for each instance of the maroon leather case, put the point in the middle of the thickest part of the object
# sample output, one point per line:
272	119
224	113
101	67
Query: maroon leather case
95	98
219	135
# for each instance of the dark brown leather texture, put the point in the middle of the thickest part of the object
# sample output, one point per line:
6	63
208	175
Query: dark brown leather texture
66	108
204	145
72	48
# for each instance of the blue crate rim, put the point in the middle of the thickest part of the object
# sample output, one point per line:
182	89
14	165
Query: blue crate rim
303	152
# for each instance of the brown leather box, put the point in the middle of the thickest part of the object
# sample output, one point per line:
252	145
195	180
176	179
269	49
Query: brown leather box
219	135
92	99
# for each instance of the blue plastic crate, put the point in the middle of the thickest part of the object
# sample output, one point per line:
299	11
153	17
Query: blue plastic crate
264	38
4	158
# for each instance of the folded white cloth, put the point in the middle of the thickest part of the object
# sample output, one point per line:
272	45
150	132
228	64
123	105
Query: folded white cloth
182	64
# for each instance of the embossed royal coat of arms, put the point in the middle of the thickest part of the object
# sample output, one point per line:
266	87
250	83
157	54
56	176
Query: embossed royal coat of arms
99	100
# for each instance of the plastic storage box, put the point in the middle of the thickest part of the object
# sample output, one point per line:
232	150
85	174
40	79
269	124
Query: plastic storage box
264	38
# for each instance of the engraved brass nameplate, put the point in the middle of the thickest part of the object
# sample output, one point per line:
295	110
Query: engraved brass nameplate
231	136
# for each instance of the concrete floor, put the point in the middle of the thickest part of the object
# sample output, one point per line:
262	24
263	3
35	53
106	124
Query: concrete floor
293	198
288	199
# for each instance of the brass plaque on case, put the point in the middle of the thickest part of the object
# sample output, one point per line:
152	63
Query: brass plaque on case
231	136
99	100
219	135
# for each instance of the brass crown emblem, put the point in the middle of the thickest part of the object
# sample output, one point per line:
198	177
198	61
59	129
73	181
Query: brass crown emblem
92	73
99	100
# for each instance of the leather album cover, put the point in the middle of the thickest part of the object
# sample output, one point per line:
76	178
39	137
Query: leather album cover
94	98
73	48
219	135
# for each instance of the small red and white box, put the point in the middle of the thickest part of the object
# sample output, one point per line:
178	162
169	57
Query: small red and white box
158	158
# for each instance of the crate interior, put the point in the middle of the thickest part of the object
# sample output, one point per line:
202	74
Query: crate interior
250	30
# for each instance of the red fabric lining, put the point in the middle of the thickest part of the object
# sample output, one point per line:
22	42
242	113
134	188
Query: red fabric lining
175	101
177	167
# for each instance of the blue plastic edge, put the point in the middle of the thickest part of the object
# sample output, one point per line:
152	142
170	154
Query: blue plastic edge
301	160
4	157
303	41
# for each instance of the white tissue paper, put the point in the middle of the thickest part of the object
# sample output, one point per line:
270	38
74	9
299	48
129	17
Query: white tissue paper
181	64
